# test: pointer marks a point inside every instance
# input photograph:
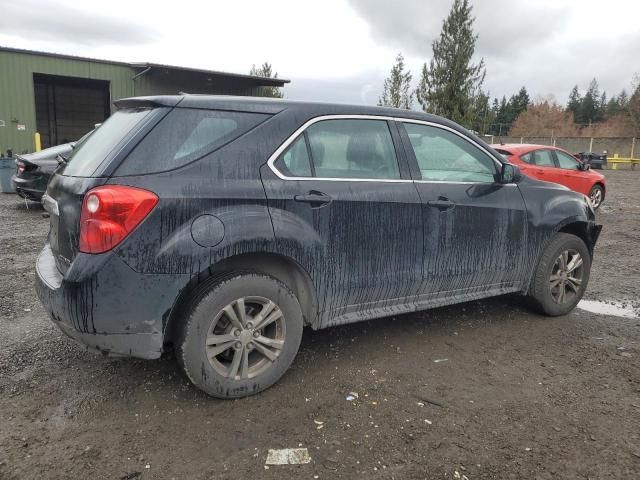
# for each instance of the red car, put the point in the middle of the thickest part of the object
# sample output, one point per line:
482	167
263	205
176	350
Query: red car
555	165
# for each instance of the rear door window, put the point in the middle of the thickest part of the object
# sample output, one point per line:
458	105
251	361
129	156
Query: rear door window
186	135
353	148
542	158
104	142
343	149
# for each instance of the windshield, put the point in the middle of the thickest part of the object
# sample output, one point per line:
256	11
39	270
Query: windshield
103	142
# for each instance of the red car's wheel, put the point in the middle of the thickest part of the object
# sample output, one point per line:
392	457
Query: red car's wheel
596	195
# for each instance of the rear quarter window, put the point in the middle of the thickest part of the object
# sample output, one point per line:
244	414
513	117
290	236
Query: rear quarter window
186	135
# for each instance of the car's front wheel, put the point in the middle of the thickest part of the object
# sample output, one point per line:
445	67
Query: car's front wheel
562	275
239	335
596	195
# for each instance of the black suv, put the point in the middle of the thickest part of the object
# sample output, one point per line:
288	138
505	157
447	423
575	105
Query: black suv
219	227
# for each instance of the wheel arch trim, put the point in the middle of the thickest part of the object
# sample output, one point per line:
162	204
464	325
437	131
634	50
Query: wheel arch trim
279	266
575	225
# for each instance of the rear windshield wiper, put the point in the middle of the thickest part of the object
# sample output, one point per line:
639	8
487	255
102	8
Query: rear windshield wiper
62	160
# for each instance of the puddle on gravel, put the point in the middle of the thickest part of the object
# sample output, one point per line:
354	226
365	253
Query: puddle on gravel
616	309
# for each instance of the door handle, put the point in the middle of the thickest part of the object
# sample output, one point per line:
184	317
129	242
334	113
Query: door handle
441	204
314	198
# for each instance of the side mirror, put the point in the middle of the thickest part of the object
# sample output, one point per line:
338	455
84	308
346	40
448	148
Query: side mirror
509	173
584	167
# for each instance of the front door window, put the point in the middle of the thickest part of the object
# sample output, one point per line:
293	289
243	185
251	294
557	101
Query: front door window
445	156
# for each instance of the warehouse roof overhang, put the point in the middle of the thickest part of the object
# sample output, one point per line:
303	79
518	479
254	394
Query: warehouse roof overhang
262	81
140	67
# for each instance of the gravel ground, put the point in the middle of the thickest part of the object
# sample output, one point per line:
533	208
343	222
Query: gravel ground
481	390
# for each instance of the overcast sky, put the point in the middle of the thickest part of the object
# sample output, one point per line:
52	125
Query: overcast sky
341	50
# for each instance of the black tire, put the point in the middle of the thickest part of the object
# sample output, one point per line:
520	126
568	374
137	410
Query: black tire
205	312
596	195
544	297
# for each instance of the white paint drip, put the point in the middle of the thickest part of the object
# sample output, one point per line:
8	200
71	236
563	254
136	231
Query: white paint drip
615	309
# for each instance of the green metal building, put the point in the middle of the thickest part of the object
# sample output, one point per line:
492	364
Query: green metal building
62	97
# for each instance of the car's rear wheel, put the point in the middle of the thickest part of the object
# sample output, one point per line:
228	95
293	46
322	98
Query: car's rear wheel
240	335
596	195
562	275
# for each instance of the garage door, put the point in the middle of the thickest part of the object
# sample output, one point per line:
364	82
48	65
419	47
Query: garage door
68	107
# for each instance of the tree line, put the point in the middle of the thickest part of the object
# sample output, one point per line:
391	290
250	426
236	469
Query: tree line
451	85
588	115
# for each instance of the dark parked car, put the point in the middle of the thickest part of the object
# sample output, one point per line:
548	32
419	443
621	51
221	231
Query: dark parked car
33	170
596	160
219	227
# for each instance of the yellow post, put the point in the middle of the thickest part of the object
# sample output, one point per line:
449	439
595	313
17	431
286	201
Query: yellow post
37	141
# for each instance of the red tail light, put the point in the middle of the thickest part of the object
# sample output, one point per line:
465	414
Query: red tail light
110	213
21	167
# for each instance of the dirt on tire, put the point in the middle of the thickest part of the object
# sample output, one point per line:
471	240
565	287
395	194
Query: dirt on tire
486	389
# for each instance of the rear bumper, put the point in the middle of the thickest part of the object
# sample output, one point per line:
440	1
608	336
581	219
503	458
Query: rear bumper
141	345
29	188
104	305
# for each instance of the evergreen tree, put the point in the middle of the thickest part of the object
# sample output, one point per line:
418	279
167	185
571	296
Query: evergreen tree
508	111
520	102
613	107
623	99
575	100
495	105
502	123
602	106
481	115
589	111
266	71
618	105
397	87
450	83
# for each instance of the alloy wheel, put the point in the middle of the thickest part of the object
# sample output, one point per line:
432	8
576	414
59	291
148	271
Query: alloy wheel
566	277
596	197
246	337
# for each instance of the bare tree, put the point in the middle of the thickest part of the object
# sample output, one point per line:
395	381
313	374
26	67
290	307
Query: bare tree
634	103
545	118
